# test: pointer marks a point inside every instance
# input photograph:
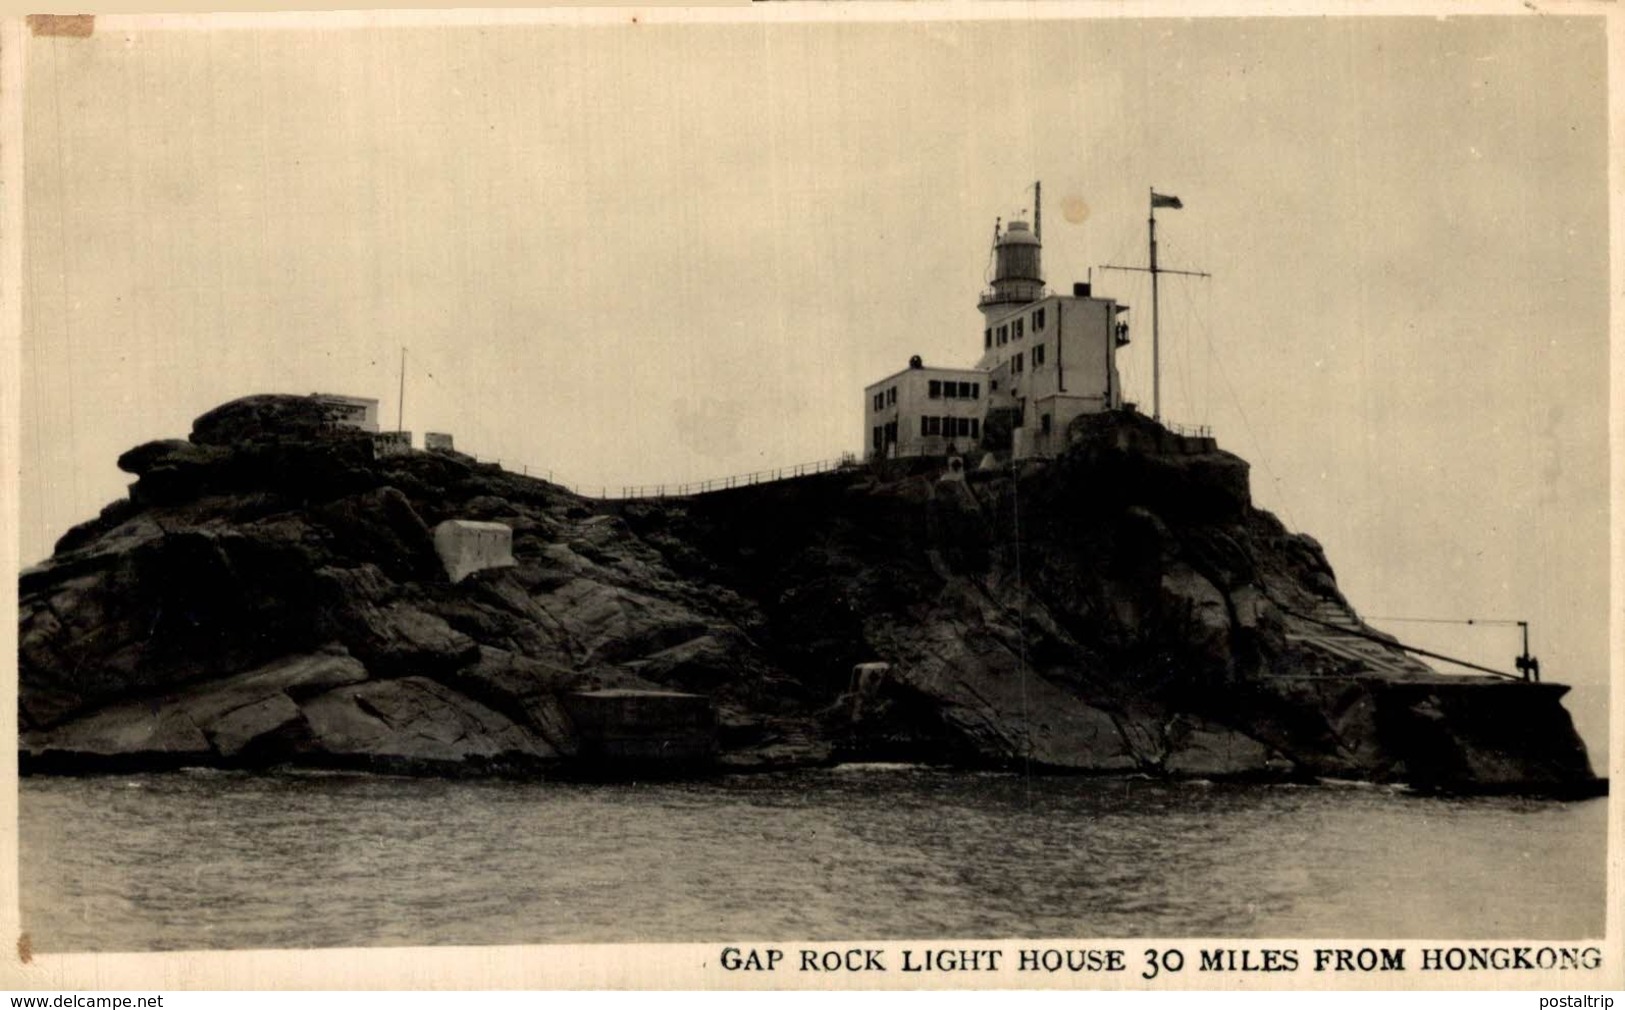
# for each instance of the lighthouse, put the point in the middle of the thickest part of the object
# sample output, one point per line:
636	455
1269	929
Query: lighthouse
1045	359
1018	271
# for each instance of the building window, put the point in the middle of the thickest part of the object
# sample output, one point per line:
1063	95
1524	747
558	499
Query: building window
950	390
934	390
987	337
1038	354
1020	323
976	390
1015	363
964	391
993	385
1004	335
880	401
975	428
1038	320
891	431
1043	424
891	395
880	437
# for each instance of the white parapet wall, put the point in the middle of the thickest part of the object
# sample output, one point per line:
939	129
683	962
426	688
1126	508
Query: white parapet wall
350	411
391	443
466	547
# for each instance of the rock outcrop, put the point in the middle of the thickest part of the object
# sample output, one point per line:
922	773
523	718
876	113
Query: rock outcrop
270	594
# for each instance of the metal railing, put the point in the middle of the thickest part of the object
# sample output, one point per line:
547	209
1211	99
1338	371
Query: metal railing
1189	430
894	451
627	492
1014	292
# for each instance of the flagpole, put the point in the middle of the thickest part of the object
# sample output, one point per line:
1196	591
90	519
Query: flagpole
1156	270
1156	350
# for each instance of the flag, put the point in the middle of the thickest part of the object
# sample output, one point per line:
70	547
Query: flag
1158	200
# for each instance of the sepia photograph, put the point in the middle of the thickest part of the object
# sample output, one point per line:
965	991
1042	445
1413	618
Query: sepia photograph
776	476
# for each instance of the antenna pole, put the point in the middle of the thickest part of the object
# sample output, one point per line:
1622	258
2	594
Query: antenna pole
1156	351
1155	270
400	402
1527	665
1038	212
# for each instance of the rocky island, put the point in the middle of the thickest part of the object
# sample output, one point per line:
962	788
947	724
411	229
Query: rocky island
270	595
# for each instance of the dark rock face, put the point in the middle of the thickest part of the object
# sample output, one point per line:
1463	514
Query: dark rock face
266	417
270	595
414	723
217	721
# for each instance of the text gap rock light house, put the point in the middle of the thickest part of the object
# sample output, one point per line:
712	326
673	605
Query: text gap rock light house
1046	359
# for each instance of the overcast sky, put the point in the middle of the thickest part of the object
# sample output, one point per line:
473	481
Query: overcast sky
633	253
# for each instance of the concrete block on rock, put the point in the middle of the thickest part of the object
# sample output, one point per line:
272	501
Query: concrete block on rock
466	547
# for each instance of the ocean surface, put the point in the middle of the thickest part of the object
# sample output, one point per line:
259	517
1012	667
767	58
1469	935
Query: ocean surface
208	859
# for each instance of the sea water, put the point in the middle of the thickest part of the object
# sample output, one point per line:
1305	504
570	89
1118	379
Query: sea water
209	859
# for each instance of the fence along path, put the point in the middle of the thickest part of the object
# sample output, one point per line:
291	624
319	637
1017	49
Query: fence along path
634	491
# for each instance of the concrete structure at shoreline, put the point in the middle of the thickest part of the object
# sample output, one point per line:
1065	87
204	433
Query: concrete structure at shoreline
620	726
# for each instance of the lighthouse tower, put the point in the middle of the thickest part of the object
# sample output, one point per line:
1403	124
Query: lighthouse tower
1018	270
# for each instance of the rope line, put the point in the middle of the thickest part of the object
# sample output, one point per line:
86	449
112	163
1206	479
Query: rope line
1257	444
1488	622
1396	643
1021	635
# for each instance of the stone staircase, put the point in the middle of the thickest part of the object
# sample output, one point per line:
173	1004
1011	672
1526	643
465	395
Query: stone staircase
1325	634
